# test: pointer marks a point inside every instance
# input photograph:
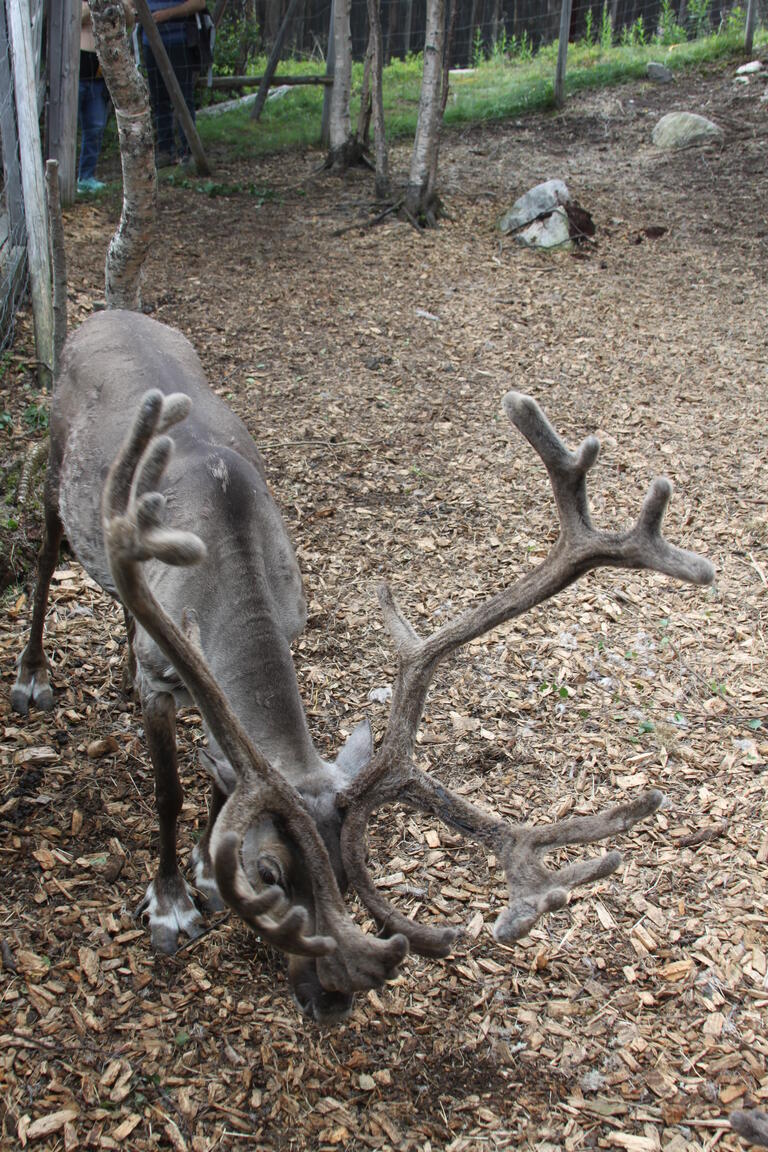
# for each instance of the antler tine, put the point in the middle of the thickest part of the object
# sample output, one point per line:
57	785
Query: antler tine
133	534
642	546
391	775
753	1126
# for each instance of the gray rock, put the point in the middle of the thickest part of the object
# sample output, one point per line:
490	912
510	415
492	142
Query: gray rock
552	231
537	202
658	72
685	129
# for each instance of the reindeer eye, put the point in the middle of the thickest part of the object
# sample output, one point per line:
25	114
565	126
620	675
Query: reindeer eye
270	871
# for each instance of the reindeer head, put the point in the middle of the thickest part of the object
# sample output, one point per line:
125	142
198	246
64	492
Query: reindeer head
283	857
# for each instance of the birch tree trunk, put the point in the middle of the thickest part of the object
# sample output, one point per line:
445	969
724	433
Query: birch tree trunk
420	198
341	142
135	232
381	181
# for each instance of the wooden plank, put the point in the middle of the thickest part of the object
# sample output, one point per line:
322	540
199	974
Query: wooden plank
14	200
33	185
255	81
174	91
63	73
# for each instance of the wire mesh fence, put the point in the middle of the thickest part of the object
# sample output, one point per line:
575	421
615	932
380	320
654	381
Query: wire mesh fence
13	236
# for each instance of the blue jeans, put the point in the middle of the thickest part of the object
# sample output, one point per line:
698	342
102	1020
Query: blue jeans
185	62
93	109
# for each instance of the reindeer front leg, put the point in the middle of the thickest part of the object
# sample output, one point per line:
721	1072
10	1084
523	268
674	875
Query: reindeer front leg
168	900
205	879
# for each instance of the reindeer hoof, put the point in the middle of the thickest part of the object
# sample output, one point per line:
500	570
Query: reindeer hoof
32	688
171	911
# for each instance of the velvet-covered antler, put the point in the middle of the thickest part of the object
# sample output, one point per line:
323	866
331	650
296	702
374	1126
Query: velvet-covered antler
392	776
133	532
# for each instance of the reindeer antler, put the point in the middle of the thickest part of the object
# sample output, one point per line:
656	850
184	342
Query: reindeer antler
391	775
133	533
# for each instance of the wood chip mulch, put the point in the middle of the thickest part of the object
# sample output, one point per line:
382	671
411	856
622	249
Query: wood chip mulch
370	366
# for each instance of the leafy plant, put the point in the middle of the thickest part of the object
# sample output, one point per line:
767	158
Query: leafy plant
6	421
633	35
35	416
606	28
735	21
478	51
589	31
698	17
669	31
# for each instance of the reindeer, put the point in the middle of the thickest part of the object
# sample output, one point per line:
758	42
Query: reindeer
214	601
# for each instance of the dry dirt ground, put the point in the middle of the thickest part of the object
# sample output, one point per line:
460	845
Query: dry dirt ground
370	365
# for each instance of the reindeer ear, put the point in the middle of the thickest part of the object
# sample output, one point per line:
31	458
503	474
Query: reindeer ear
219	769
357	750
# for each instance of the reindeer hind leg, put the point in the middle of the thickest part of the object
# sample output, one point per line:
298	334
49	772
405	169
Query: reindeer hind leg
33	685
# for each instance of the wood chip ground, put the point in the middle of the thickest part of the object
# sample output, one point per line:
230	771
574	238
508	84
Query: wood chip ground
370	366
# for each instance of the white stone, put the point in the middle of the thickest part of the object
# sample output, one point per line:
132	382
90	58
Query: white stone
551	232
685	129
753	66
537	202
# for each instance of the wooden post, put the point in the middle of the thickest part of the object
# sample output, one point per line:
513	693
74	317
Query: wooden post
63	73
174	91
562	51
330	68
33	186
14	199
218	12
274	60
749	31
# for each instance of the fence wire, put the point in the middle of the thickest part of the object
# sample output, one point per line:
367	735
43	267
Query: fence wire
13	235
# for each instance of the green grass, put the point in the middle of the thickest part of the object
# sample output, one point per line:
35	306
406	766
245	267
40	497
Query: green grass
497	89
505	86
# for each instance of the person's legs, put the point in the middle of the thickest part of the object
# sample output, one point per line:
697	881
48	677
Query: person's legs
186	65
162	108
93	107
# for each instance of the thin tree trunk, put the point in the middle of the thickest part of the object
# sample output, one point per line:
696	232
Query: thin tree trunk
392	22
364	115
408	27
330	70
274	60
562	52
135	232
447	52
381	183
420	199
339	126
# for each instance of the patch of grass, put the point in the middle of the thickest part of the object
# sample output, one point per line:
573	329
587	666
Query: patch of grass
511	82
